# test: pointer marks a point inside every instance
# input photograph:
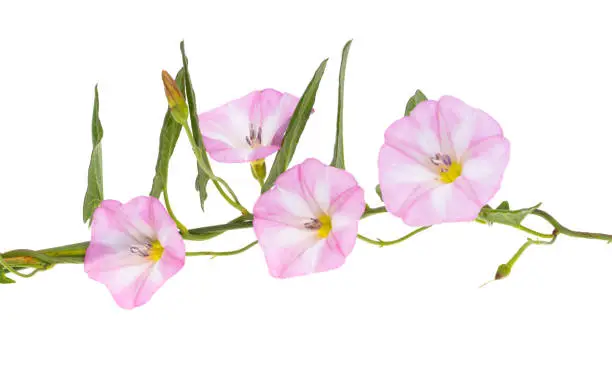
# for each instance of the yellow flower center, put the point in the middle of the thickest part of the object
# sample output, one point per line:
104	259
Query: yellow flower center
156	251
326	226
450	173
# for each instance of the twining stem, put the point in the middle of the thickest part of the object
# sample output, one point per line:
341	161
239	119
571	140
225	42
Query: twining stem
571	233
16	272
226	253
180	226
521	228
373	211
217	181
382	243
504	269
208	232
16	260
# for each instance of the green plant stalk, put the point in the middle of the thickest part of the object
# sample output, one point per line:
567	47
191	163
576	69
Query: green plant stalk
382	243
180	226
521	228
505	269
373	211
560	229
217	181
16	260
226	253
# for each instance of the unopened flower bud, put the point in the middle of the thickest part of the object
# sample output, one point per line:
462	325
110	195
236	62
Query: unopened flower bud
176	102
502	271
258	169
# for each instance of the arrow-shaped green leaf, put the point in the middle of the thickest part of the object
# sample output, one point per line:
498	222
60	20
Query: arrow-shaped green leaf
95	190
416	99
295	128
202	178
338	159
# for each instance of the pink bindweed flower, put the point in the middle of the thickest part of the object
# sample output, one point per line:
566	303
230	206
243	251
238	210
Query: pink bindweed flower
442	163
249	128
308	221
135	248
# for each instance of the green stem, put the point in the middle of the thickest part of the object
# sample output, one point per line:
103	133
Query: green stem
75	250
226	253
382	243
217	181
373	211
521	228
504	269
71	257
202	233
180	226
560	229
533	232
16	272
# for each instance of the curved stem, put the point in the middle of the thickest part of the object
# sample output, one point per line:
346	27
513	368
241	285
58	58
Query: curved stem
204	233
559	228
373	211
217	181
180	226
533	232
521	228
382	243
14	271
504	269
226	253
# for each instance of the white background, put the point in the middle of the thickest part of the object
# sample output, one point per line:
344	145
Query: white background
409	317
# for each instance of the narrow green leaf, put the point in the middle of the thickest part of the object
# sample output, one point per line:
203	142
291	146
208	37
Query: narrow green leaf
379	192
95	191
504	216
338	159
417	98
202	178
295	128
169	135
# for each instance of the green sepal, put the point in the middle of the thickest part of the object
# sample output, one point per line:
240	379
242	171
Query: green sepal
503	206
258	170
379	192
504	215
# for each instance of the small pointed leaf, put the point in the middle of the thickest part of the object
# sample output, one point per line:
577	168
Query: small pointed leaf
95	190
417	98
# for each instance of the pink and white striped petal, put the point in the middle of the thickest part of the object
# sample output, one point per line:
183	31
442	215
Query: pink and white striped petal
135	248
308	221
249	128
442	163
